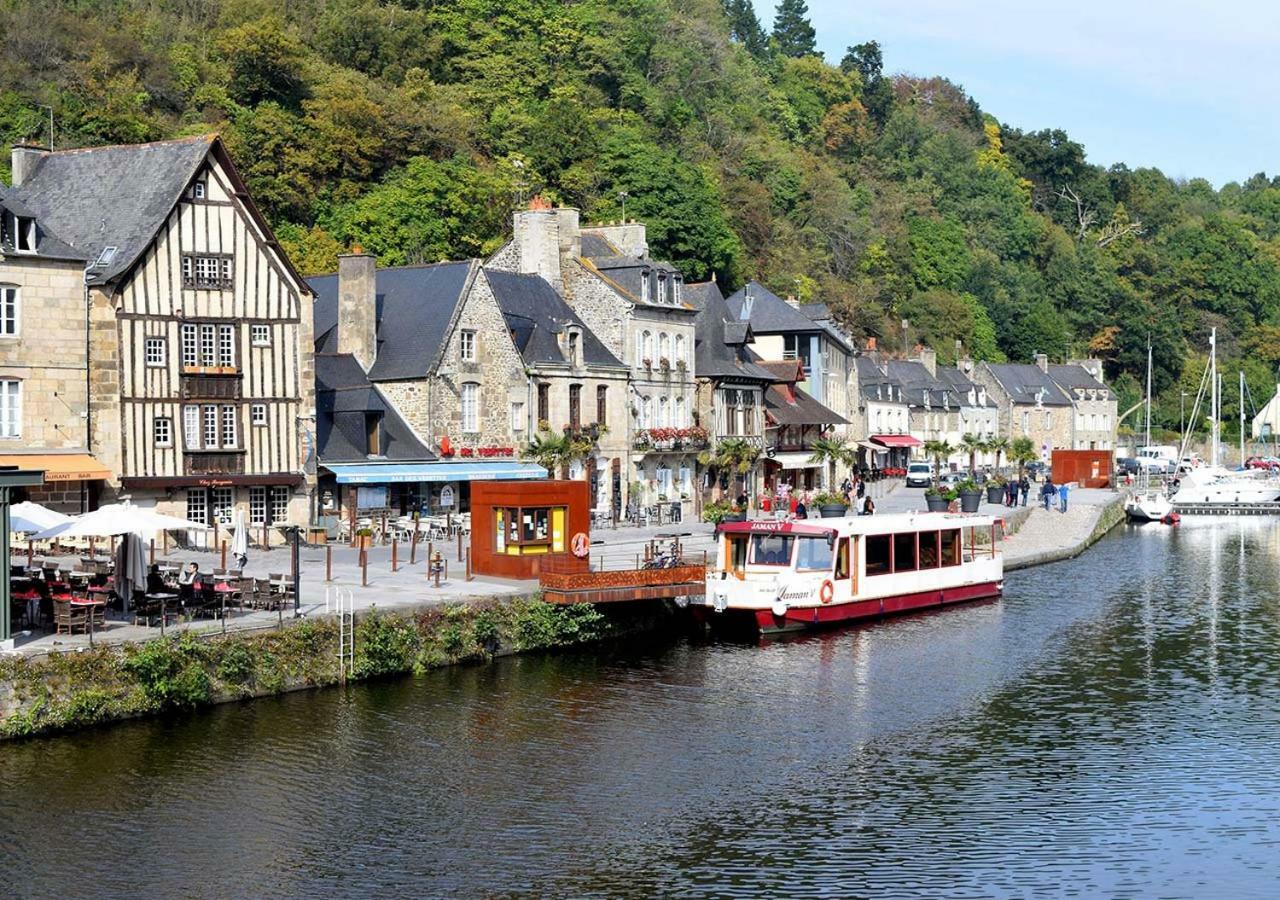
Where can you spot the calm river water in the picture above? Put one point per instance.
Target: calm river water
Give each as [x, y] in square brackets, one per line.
[1111, 727]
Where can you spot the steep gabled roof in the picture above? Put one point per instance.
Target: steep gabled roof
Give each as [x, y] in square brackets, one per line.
[1026, 383]
[1072, 376]
[415, 306]
[48, 245]
[536, 314]
[718, 354]
[767, 312]
[875, 383]
[788, 404]
[344, 396]
[962, 384]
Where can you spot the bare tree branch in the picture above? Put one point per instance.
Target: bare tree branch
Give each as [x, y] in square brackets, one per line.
[1115, 231]
[1086, 217]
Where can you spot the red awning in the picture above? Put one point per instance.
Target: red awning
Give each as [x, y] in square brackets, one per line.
[895, 440]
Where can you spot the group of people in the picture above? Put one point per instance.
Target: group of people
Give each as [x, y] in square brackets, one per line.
[1013, 490]
[1049, 492]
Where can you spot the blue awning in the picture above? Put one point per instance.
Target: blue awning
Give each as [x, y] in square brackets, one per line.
[409, 473]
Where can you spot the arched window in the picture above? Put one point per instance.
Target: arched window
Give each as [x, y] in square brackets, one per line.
[647, 341]
[664, 345]
[664, 412]
[646, 412]
[680, 357]
[681, 421]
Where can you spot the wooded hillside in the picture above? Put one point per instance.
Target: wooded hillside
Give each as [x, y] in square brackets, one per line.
[414, 127]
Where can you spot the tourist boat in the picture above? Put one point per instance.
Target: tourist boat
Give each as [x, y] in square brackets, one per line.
[786, 576]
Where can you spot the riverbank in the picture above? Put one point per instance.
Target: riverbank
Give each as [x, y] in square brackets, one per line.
[1046, 536]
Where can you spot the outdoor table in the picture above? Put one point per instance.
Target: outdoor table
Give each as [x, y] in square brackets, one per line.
[163, 600]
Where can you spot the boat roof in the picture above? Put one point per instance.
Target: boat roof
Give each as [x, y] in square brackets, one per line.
[846, 525]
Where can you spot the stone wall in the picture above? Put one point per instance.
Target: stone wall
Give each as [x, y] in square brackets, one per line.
[48, 354]
[106, 440]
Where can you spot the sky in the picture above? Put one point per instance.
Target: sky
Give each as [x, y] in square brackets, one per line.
[1188, 87]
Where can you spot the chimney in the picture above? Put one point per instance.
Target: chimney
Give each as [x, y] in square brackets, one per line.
[929, 359]
[871, 344]
[358, 306]
[1042, 362]
[23, 161]
[792, 301]
[537, 235]
[570, 232]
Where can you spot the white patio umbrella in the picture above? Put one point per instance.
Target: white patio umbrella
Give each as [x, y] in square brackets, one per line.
[31, 517]
[240, 538]
[119, 518]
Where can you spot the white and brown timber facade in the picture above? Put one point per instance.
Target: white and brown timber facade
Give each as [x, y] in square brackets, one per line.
[200, 332]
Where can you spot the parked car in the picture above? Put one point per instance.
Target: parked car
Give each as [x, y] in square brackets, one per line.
[1262, 462]
[919, 474]
[1127, 465]
[1036, 469]
[951, 479]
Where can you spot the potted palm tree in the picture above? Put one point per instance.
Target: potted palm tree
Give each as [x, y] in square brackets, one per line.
[1022, 451]
[999, 446]
[935, 497]
[970, 493]
[830, 504]
[973, 444]
[831, 451]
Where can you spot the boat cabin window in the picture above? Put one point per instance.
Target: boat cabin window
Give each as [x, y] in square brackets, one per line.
[737, 554]
[878, 554]
[904, 552]
[928, 549]
[771, 549]
[951, 547]
[815, 554]
[842, 559]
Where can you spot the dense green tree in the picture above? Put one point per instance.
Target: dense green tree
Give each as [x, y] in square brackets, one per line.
[264, 61]
[745, 27]
[877, 93]
[793, 33]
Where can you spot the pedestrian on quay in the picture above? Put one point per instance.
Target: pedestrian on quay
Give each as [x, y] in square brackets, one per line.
[1010, 494]
[1047, 493]
[868, 507]
[1062, 495]
[1024, 488]
[802, 511]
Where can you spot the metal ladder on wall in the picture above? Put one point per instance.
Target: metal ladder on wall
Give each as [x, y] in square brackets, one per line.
[343, 601]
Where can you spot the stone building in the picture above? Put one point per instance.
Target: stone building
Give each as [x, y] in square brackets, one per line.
[944, 405]
[793, 421]
[880, 413]
[1057, 406]
[201, 389]
[44, 363]
[731, 386]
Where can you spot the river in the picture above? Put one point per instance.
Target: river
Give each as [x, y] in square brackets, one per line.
[1109, 727]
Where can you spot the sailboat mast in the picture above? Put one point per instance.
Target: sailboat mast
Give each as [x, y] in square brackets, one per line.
[1214, 390]
[1148, 394]
[1242, 418]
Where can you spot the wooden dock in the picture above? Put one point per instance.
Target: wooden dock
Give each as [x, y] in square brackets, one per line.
[1227, 509]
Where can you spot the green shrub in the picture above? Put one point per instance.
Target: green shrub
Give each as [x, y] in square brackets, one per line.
[236, 665]
[384, 645]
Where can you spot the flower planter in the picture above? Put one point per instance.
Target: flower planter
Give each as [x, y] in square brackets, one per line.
[937, 504]
[995, 493]
[833, 510]
[735, 517]
[970, 501]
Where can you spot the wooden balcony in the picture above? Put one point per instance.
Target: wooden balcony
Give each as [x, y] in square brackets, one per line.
[211, 387]
[213, 462]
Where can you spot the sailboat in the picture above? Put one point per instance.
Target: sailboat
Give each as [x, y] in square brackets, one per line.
[1214, 484]
[1147, 503]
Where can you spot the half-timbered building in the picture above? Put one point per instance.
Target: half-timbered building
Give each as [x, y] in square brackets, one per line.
[201, 389]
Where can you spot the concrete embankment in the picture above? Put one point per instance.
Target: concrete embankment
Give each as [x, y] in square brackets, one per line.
[1047, 536]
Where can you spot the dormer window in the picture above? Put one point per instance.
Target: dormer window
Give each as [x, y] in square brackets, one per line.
[373, 433]
[575, 347]
[20, 231]
[677, 283]
[644, 285]
[662, 288]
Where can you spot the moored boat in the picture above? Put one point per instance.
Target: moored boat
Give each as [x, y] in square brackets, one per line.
[1148, 506]
[787, 576]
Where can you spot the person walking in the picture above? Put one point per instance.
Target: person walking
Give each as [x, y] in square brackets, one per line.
[1024, 488]
[1062, 496]
[1046, 493]
[868, 507]
[862, 487]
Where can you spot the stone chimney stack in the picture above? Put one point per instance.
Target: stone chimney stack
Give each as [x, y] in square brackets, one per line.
[792, 301]
[537, 236]
[570, 232]
[1042, 362]
[929, 359]
[358, 306]
[23, 161]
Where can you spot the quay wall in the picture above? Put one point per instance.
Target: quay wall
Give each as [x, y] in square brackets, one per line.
[1111, 514]
[69, 691]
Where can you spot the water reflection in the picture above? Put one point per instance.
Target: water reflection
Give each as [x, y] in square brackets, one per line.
[1106, 728]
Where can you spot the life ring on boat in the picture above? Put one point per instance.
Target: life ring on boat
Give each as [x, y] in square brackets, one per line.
[827, 591]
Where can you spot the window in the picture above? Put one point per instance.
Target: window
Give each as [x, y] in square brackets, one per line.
[814, 554]
[575, 406]
[162, 431]
[663, 297]
[517, 417]
[190, 348]
[677, 284]
[198, 190]
[210, 427]
[644, 286]
[471, 407]
[206, 272]
[527, 531]
[21, 231]
[226, 345]
[208, 345]
[467, 346]
[664, 412]
[223, 505]
[8, 311]
[544, 402]
[680, 350]
[878, 552]
[842, 560]
[198, 505]
[229, 427]
[664, 346]
[191, 427]
[280, 503]
[1026, 422]
[664, 483]
[372, 434]
[647, 343]
[680, 414]
[257, 506]
[951, 547]
[1048, 420]
[904, 552]
[258, 414]
[646, 412]
[771, 549]
[153, 351]
[260, 335]
[10, 408]
[602, 404]
[928, 549]
[575, 345]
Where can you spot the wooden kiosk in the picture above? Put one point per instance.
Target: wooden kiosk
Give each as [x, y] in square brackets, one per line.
[516, 526]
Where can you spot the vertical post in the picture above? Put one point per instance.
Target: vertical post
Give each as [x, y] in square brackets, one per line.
[31, 553]
[459, 545]
[328, 562]
[384, 528]
[430, 545]
[162, 615]
[469, 564]
[295, 532]
[364, 567]
[444, 565]
[5, 624]
[223, 598]
[266, 537]
[413, 544]
[394, 559]
[224, 554]
[91, 611]
[153, 551]
[164, 542]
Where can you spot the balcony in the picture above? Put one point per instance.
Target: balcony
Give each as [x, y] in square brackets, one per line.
[211, 387]
[675, 439]
[213, 462]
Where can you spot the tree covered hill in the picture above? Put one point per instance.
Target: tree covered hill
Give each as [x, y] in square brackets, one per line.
[413, 127]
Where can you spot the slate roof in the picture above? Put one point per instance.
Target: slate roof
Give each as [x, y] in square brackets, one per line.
[535, 313]
[815, 311]
[594, 245]
[875, 383]
[344, 395]
[713, 354]
[804, 409]
[1023, 381]
[770, 314]
[112, 196]
[626, 273]
[962, 383]
[48, 245]
[1072, 376]
[917, 383]
[415, 306]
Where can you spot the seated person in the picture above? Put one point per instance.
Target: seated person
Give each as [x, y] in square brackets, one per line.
[155, 581]
[187, 579]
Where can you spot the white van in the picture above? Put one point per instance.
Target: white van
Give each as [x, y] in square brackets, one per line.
[1160, 458]
[919, 474]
